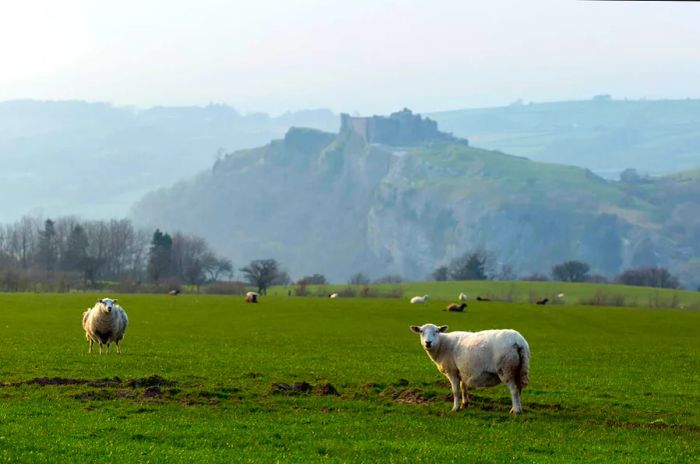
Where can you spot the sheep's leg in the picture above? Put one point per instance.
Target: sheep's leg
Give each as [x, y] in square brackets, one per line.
[456, 394]
[515, 397]
[465, 394]
[90, 346]
[100, 347]
[119, 350]
[107, 348]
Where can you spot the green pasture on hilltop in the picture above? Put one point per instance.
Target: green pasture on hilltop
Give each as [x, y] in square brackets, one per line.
[521, 292]
[308, 379]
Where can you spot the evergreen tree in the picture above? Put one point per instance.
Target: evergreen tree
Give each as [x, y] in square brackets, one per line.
[47, 254]
[159, 257]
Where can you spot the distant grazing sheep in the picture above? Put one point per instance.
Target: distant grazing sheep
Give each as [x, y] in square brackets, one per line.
[333, 295]
[251, 297]
[560, 296]
[105, 323]
[174, 292]
[543, 301]
[419, 299]
[462, 297]
[478, 298]
[454, 308]
[478, 359]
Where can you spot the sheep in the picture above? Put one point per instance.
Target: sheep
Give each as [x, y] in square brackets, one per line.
[174, 292]
[479, 298]
[478, 359]
[462, 297]
[419, 299]
[105, 323]
[543, 301]
[454, 308]
[251, 297]
[333, 295]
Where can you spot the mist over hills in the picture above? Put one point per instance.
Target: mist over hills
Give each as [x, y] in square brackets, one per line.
[607, 136]
[370, 200]
[96, 160]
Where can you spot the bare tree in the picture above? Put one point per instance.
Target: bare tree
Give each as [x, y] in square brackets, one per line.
[571, 271]
[472, 265]
[658, 277]
[314, 279]
[261, 273]
[215, 268]
[359, 279]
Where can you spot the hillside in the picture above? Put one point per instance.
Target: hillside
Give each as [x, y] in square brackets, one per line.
[95, 159]
[338, 204]
[604, 135]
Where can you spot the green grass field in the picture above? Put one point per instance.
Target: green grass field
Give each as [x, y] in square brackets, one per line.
[526, 292]
[199, 381]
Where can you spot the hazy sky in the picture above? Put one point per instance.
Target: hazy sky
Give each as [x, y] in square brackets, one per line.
[368, 56]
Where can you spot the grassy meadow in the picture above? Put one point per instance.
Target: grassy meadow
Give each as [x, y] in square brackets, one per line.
[292, 379]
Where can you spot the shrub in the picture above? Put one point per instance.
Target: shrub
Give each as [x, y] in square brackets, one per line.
[604, 299]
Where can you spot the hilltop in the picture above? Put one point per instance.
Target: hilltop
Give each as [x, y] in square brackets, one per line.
[342, 203]
[56, 154]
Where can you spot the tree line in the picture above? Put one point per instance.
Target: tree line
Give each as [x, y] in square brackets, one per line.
[71, 252]
[480, 265]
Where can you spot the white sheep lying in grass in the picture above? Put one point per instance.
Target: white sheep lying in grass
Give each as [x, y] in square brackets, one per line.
[478, 359]
[333, 295]
[105, 323]
[419, 299]
[462, 297]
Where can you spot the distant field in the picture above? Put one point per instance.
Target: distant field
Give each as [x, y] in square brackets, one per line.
[526, 292]
[197, 383]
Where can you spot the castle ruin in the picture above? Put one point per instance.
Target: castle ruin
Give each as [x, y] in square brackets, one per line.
[402, 128]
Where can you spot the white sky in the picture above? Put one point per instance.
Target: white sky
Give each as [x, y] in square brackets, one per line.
[356, 55]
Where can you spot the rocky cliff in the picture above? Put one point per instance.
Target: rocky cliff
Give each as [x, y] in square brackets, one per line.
[345, 203]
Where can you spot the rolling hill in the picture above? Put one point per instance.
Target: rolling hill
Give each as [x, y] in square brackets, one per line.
[358, 201]
[607, 136]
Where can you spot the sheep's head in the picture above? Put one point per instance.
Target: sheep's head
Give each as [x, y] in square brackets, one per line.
[429, 334]
[107, 304]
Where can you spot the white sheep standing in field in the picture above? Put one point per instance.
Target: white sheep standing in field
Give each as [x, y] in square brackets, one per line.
[105, 323]
[333, 295]
[462, 297]
[419, 299]
[478, 359]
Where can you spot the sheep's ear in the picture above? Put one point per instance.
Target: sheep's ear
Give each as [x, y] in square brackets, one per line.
[99, 300]
[114, 301]
[442, 329]
[415, 329]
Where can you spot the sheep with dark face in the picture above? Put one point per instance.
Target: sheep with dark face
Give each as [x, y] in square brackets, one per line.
[478, 359]
[105, 323]
[454, 308]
